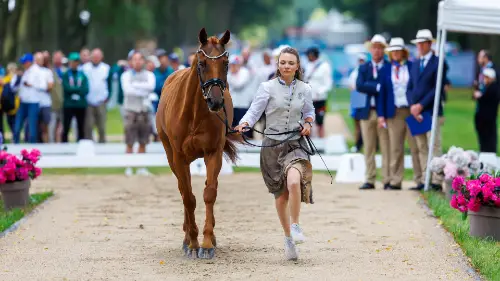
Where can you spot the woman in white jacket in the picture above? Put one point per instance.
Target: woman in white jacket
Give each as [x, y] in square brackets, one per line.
[239, 81]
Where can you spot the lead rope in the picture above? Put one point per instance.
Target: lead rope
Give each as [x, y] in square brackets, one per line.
[292, 133]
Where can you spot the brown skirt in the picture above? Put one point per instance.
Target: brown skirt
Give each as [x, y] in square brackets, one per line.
[275, 162]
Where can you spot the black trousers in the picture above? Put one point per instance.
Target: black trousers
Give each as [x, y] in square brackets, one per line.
[486, 129]
[68, 114]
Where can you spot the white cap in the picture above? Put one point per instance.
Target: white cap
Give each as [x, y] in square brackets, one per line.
[155, 60]
[235, 59]
[377, 38]
[423, 35]
[397, 43]
[490, 72]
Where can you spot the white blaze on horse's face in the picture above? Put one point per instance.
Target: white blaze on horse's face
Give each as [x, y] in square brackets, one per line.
[212, 69]
[213, 73]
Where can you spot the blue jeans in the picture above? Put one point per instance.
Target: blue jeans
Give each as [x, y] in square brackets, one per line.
[30, 111]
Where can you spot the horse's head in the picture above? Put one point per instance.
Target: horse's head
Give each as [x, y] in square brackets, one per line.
[212, 60]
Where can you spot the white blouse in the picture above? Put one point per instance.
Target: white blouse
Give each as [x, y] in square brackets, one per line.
[261, 99]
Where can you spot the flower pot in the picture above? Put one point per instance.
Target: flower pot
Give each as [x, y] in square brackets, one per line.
[448, 189]
[15, 194]
[485, 222]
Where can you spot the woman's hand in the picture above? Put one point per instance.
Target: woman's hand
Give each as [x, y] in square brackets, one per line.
[241, 128]
[306, 130]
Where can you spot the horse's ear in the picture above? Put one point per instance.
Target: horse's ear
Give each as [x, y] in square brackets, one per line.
[225, 38]
[202, 36]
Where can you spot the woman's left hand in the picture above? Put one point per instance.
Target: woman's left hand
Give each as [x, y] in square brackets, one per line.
[306, 130]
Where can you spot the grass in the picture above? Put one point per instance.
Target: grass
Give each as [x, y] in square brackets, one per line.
[9, 218]
[459, 112]
[484, 254]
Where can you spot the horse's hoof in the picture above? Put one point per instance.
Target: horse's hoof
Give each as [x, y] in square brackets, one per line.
[206, 253]
[192, 253]
[185, 248]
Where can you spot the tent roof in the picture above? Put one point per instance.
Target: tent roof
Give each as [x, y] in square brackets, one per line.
[470, 16]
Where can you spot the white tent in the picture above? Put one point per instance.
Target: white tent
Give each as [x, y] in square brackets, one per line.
[467, 16]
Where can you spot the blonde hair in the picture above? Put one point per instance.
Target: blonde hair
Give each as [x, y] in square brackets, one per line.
[405, 56]
[11, 67]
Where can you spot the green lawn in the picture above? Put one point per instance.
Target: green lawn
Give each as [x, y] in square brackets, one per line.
[484, 254]
[9, 218]
[459, 111]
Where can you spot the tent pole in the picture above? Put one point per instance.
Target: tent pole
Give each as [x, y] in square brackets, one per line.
[438, 41]
[437, 97]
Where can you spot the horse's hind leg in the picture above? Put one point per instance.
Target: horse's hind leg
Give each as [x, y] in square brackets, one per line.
[190, 244]
[213, 163]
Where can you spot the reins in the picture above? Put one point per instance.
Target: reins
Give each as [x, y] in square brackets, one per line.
[312, 151]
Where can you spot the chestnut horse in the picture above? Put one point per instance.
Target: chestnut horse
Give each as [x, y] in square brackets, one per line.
[192, 122]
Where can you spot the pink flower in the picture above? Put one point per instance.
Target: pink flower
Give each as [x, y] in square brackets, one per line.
[497, 201]
[474, 187]
[2, 178]
[462, 209]
[22, 174]
[38, 171]
[497, 182]
[461, 200]
[487, 190]
[485, 178]
[457, 183]
[454, 202]
[474, 205]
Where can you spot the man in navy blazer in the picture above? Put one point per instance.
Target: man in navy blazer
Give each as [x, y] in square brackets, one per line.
[421, 92]
[369, 82]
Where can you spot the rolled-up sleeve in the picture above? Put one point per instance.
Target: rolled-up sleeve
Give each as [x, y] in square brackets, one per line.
[257, 107]
[308, 108]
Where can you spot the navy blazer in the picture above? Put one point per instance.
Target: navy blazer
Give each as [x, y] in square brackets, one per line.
[367, 84]
[422, 85]
[386, 100]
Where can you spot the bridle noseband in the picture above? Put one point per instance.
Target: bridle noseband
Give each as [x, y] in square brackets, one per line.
[211, 82]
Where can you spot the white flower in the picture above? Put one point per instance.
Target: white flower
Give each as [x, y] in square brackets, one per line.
[437, 164]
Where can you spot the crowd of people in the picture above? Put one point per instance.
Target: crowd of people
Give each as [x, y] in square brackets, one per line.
[397, 95]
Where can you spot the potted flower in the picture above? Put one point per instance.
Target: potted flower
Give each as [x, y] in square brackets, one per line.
[16, 175]
[479, 197]
[457, 162]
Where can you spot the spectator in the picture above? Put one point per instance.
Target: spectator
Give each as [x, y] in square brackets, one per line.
[318, 73]
[97, 73]
[84, 56]
[137, 84]
[115, 85]
[161, 74]
[56, 95]
[369, 82]
[76, 88]
[239, 79]
[10, 99]
[175, 63]
[487, 111]
[33, 83]
[352, 86]
[421, 91]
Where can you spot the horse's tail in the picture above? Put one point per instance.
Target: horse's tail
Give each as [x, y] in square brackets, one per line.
[230, 149]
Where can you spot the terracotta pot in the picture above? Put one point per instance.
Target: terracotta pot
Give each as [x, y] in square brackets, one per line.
[15, 194]
[485, 223]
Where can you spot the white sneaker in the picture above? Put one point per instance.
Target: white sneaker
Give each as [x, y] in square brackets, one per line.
[290, 249]
[129, 172]
[297, 235]
[143, 172]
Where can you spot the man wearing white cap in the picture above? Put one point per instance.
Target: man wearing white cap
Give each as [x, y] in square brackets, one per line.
[421, 92]
[369, 82]
[487, 111]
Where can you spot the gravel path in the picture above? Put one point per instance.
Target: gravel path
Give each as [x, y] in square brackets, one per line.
[118, 228]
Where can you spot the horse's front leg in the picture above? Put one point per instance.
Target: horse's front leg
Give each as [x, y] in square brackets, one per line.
[213, 163]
